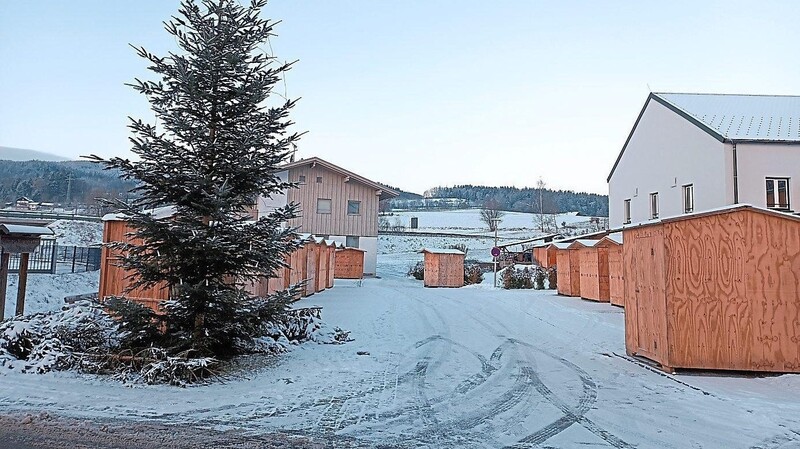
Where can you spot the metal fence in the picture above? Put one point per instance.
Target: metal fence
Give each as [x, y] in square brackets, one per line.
[43, 260]
[78, 258]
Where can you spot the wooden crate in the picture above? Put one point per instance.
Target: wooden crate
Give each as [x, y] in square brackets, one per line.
[616, 278]
[349, 263]
[593, 274]
[568, 269]
[443, 267]
[715, 290]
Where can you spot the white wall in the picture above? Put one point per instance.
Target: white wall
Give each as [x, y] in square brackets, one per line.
[267, 205]
[664, 153]
[756, 162]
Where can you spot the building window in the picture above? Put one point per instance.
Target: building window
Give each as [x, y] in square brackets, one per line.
[688, 198]
[654, 205]
[778, 193]
[626, 211]
[353, 207]
[351, 241]
[301, 179]
[319, 179]
[323, 206]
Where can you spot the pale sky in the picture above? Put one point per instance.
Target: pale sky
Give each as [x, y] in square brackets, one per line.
[416, 93]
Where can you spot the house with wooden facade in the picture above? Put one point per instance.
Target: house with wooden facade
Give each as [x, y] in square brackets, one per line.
[696, 152]
[335, 203]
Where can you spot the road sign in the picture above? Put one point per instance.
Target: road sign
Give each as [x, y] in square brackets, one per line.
[495, 252]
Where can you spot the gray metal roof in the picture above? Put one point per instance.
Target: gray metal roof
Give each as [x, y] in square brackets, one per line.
[15, 229]
[772, 118]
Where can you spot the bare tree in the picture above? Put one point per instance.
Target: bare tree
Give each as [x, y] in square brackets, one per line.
[491, 214]
[544, 217]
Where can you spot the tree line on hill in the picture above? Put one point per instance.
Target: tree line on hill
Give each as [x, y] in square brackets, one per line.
[69, 182]
[527, 199]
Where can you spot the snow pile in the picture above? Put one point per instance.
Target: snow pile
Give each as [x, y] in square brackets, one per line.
[46, 292]
[77, 233]
[49, 341]
[85, 338]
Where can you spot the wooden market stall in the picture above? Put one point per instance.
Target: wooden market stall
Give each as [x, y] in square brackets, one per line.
[593, 270]
[568, 269]
[545, 255]
[616, 278]
[443, 267]
[349, 263]
[715, 290]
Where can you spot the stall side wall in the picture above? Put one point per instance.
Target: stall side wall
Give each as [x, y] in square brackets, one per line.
[616, 279]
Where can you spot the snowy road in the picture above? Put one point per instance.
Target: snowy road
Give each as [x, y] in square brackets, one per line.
[453, 368]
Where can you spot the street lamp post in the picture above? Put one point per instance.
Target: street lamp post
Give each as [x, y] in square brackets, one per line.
[495, 223]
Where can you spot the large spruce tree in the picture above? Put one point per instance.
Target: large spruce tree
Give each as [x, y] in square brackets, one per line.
[219, 139]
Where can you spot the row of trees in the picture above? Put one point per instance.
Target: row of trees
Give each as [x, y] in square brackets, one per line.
[537, 199]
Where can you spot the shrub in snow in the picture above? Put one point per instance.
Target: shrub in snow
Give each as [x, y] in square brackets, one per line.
[539, 275]
[473, 274]
[516, 278]
[552, 278]
[417, 271]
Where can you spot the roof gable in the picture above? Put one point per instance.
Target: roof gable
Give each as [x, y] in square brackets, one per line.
[731, 118]
[385, 192]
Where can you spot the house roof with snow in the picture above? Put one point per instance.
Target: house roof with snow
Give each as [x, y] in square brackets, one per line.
[442, 251]
[385, 192]
[733, 118]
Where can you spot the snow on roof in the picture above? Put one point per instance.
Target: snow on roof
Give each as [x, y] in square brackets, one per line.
[742, 117]
[8, 229]
[587, 242]
[158, 213]
[615, 237]
[562, 245]
[441, 251]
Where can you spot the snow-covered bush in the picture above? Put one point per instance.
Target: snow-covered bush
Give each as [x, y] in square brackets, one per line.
[552, 278]
[417, 271]
[473, 274]
[539, 275]
[516, 278]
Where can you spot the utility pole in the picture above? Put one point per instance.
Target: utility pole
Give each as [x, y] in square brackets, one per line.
[69, 187]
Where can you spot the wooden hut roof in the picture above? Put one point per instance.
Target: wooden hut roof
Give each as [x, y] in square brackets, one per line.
[441, 251]
[610, 240]
[383, 191]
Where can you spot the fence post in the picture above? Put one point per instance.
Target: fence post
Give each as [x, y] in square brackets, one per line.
[54, 258]
[73, 259]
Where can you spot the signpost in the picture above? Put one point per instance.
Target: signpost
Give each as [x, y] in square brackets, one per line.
[495, 249]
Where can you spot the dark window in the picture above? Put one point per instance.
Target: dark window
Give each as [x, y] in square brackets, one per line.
[353, 207]
[688, 198]
[654, 205]
[302, 179]
[626, 211]
[778, 193]
[323, 206]
[351, 241]
[319, 179]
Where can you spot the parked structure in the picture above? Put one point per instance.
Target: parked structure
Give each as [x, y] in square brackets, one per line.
[443, 267]
[593, 268]
[568, 268]
[337, 204]
[349, 263]
[616, 277]
[545, 255]
[695, 152]
[715, 290]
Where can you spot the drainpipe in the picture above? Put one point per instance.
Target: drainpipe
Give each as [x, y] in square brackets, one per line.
[735, 176]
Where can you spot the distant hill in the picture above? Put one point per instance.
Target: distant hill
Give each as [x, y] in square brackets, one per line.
[50, 181]
[526, 199]
[21, 154]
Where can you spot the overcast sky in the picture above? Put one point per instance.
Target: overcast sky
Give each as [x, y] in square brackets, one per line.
[415, 93]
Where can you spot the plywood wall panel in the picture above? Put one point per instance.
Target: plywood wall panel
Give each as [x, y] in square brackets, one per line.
[349, 264]
[616, 277]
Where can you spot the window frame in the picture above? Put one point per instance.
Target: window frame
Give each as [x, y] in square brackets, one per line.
[358, 207]
[347, 239]
[319, 179]
[301, 179]
[775, 180]
[330, 206]
[688, 194]
[654, 205]
[626, 211]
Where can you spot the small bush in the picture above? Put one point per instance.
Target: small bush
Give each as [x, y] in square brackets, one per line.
[514, 278]
[472, 274]
[552, 278]
[539, 275]
[417, 271]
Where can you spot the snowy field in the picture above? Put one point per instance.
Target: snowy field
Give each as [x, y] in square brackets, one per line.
[77, 233]
[448, 368]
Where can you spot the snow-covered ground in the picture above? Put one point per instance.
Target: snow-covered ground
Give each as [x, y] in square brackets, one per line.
[77, 233]
[46, 292]
[452, 368]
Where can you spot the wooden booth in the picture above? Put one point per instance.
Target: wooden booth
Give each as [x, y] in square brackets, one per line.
[616, 278]
[349, 263]
[593, 270]
[22, 239]
[568, 266]
[715, 290]
[545, 255]
[443, 267]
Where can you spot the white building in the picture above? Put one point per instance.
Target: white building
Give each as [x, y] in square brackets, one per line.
[335, 203]
[694, 152]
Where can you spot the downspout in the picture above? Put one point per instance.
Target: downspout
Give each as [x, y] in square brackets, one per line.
[735, 175]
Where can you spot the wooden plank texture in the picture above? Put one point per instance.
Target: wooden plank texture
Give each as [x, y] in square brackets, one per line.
[349, 264]
[616, 278]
